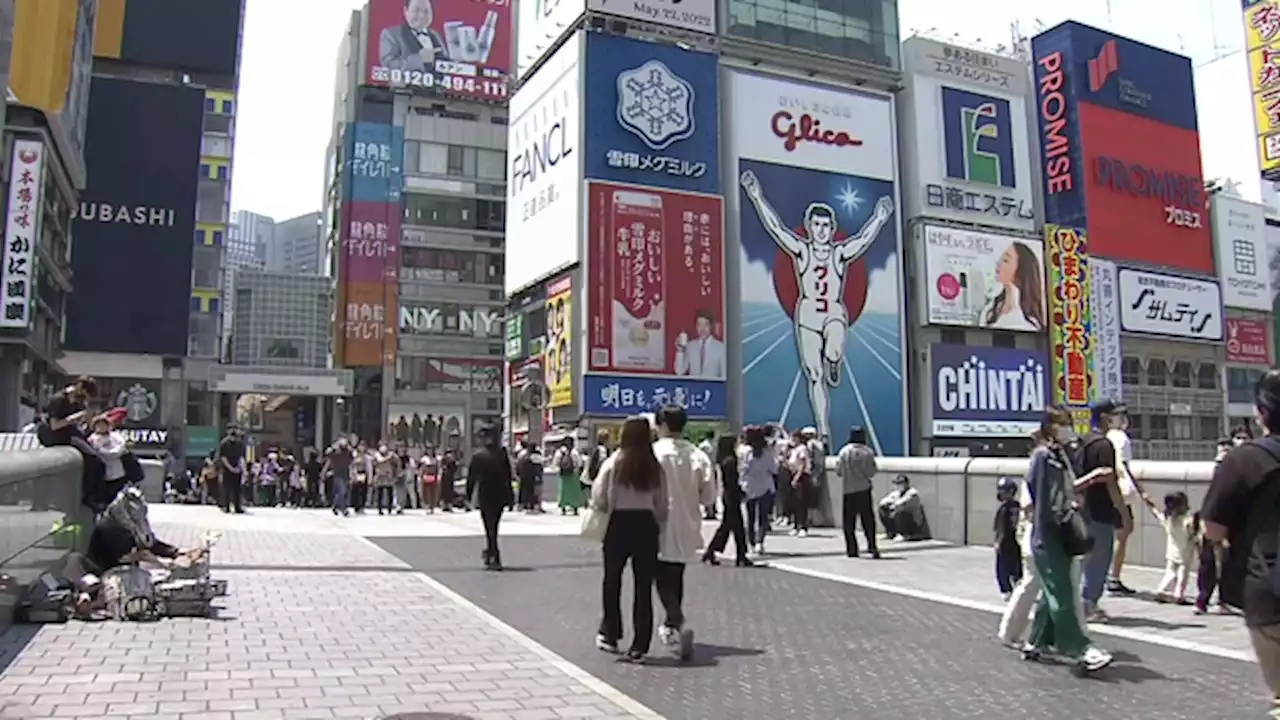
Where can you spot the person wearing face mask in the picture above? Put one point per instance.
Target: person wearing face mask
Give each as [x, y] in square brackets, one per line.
[1056, 540]
[1104, 507]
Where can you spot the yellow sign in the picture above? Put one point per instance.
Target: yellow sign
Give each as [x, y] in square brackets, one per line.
[557, 356]
[1262, 41]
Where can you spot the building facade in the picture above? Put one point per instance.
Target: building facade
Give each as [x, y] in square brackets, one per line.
[280, 319]
[295, 246]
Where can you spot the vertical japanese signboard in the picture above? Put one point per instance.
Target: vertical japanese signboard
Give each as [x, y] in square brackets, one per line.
[557, 363]
[1071, 322]
[22, 230]
[1104, 297]
[1262, 42]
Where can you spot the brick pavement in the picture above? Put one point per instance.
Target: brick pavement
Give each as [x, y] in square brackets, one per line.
[335, 629]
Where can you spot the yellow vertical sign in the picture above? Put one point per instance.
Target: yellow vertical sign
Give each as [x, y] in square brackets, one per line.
[557, 356]
[1262, 42]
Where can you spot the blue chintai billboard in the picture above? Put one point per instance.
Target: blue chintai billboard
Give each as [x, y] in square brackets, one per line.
[987, 391]
[134, 230]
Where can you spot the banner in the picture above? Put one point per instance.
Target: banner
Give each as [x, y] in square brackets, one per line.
[987, 391]
[1071, 322]
[695, 15]
[557, 364]
[369, 331]
[1247, 342]
[656, 303]
[1239, 236]
[1104, 298]
[451, 47]
[653, 115]
[983, 280]
[374, 162]
[371, 242]
[1262, 43]
[1169, 305]
[814, 175]
[615, 396]
[24, 218]
[539, 25]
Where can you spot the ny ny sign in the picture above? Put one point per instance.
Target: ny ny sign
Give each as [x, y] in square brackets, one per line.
[476, 322]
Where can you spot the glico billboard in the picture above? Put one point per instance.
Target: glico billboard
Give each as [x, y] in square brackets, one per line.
[1120, 147]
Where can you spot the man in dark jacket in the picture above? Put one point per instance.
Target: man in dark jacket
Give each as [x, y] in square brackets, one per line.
[489, 479]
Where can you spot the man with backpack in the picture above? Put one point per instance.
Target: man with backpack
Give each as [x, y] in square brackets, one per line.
[1104, 507]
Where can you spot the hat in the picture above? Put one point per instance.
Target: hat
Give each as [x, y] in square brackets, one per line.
[1106, 407]
[1006, 483]
[115, 416]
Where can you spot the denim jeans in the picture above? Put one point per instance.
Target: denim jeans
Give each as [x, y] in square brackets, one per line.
[1097, 564]
[341, 485]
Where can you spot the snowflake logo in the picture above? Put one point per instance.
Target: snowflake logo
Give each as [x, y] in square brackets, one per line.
[655, 104]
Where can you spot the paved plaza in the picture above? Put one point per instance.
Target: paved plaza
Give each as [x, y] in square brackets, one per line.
[369, 617]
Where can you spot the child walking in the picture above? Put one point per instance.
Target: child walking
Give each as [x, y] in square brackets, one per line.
[1181, 532]
[1008, 549]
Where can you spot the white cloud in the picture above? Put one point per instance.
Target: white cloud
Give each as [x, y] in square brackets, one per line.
[882, 288]
[757, 281]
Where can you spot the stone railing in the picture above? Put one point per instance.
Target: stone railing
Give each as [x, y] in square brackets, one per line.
[41, 518]
[959, 495]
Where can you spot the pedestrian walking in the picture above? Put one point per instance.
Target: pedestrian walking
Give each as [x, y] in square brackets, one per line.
[856, 465]
[489, 478]
[732, 497]
[1008, 549]
[231, 457]
[758, 468]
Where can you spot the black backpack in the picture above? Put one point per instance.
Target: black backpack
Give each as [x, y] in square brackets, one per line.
[1076, 451]
[1262, 526]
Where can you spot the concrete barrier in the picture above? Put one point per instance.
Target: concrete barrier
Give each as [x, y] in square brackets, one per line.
[41, 518]
[959, 495]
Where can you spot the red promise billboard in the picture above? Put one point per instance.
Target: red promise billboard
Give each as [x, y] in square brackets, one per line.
[454, 47]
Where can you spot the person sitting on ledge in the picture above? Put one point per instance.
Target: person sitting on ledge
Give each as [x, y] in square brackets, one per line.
[902, 513]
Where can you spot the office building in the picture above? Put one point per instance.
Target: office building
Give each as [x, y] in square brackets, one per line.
[255, 232]
[281, 319]
[295, 246]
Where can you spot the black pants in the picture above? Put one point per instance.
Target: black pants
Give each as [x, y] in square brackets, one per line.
[801, 497]
[670, 583]
[491, 515]
[782, 498]
[386, 498]
[1008, 567]
[359, 496]
[232, 487]
[632, 535]
[1207, 574]
[758, 517]
[731, 523]
[858, 506]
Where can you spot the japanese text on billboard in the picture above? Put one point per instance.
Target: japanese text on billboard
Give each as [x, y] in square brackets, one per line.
[1072, 325]
[456, 47]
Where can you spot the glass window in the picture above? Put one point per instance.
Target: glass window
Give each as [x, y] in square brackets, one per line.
[1157, 427]
[952, 336]
[1207, 376]
[1180, 427]
[210, 105]
[1210, 427]
[1240, 383]
[215, 306]
[433, 158]
[205, 171]
[222, 172]
[195, 304]
[491, 165]
[1136, 425]
[1131, 370]
[228, 107]
[283, 349]
[199, 237]
[859, 29]
[1004, 340]
[443, 210]
[455, 161]
[1180, 376]
[1157, 372]
[217, 237]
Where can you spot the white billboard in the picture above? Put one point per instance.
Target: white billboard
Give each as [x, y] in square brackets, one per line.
[539, 23]
[1107, 354]
[983, 280]
[1239, 238]
[23, 221]
[1170, 305]
[695, 15]
[544, 169]
[966, 137]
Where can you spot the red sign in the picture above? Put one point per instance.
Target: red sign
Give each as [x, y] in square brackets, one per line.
[1247, 342]
[656, 299]
[455, 47]
[370, 242]
[1144, 192]
[808, 129]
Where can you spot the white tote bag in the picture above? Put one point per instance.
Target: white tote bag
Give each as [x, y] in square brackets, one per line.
[595, 523]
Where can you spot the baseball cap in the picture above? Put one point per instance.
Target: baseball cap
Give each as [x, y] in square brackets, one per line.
[1106, 407]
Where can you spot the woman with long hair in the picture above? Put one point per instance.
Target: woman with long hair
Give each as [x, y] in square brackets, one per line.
[757, 469]
[1020, 303]
[1058, 536]
[631, 489]
[732, 496]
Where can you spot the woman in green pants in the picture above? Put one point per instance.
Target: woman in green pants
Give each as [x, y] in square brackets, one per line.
[1052, 485]
[568, 463]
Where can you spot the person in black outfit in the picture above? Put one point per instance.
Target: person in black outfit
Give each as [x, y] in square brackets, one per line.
[448, 476]
[1005, 527]
[63, 426]
[489, 479]
[732, 496]
[231, 458]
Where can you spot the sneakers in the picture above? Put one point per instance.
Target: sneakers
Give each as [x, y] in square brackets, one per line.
[1115, 587]
[1094, 660]
[679, 640]
[603, 644]
[1096, 615]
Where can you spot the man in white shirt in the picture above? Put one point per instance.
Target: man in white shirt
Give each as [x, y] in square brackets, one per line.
[703, 356]
[690, 485]
[1118, 434]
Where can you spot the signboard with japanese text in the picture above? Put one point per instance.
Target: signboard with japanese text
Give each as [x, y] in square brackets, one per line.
[557, 358]
[1170, 305]
[460, 48]
[374, 162]
[812, 187]
[1104, 297]
[539, 24]
[544, 177]
[1262, 43]
[368, 334]
[695, 15]
[651, 114]
[1248, 342]
[23, 219]
[371, 242]
[1120, 147]
[620, 396]
[514, 349]
[969, 152]
[1241, 243]
[987, 391]
[1070, 321]
[983, 280]
[656, 302]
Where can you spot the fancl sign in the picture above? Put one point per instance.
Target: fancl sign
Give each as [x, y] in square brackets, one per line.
[985, 391]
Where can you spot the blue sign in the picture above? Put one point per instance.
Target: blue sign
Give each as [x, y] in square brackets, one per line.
[978, 132]
[1122, 74]
[619, 396]
[374, 163]
[1058, 115]
[987, 391]
[651, 114]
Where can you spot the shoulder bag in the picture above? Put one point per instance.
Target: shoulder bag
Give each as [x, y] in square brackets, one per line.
[595, 524]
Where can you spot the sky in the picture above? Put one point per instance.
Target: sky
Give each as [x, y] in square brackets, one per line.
[285, 107]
